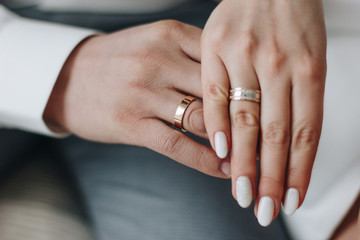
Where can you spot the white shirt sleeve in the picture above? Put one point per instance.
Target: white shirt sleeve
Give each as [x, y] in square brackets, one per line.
[32, 54]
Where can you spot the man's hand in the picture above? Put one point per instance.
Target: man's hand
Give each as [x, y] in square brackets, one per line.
[125, 88]
[278, 47]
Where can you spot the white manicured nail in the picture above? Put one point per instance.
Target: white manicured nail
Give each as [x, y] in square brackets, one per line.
[291, 202]
[243, 191]
[221, 146]
[265, 211]
[225, 168]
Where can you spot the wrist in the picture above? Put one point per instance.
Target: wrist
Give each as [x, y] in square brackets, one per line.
[54, 113]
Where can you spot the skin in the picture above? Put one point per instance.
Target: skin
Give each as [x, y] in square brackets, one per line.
[350, 226]
[277, 46]
[125, 87]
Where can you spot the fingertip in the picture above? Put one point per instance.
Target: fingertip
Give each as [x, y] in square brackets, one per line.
[221, 144]
[291, 202]
[244, 194]
[226, 168]
[265, 211]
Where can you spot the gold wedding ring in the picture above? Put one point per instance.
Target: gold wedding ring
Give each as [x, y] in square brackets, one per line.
[180, 111]
[240, 94]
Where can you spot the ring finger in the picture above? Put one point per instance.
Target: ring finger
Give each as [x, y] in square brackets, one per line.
[244, 116]
[165, 108]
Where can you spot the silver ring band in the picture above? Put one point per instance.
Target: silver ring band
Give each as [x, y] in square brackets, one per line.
[240, 94]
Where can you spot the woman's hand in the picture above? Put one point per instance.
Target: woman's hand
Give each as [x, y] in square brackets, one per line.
[278, 47]
[125, 88]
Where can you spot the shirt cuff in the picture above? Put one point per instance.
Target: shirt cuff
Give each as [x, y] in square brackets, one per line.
[32, 55]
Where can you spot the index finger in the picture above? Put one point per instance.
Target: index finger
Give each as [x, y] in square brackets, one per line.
[179, 147]
[215, 85]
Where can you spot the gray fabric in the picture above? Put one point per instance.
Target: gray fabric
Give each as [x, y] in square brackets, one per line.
[133, 193]
[14, 147]
[195, 13]
[37, 199]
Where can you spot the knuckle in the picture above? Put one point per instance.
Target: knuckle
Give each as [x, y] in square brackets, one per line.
[298, 174]
[199, 160]
[145, 66]
[305, 137]
[170, 142]
[246, 45]
[166, 29]
[141, 60]
[312, 68]
[142, 76]
[217, 93]
[275, 62]
[206, 163]
[275, 133]
[272, 181]
[129, 115]
[216, 37]
[242, 119]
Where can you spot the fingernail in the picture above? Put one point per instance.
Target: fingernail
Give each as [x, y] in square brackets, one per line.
[221, 146]
[225, 168]
[243, 191]
[291, 202]
[265, 211]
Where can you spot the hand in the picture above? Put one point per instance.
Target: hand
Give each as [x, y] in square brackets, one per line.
[125, 88]
[279, 47]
